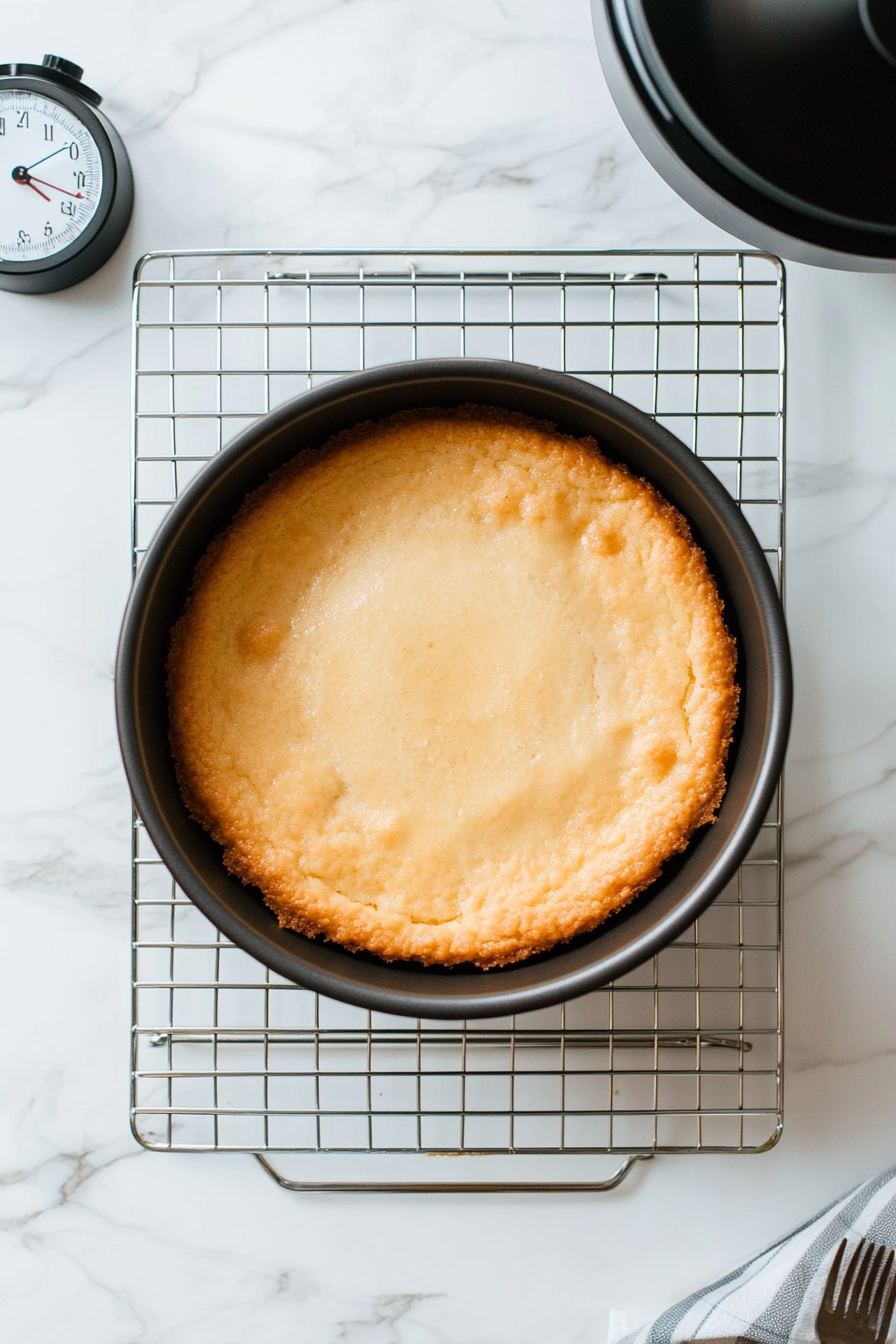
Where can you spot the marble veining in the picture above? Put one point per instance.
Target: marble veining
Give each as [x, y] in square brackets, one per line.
[392, 123]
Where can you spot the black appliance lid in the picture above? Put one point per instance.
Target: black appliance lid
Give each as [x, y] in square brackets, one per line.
[796, 98]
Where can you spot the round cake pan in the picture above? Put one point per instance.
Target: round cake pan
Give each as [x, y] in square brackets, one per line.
[689, 882]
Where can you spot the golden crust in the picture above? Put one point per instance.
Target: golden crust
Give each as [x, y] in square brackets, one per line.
[452, 688]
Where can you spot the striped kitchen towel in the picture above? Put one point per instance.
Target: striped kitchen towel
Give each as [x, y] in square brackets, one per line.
[774, 1298]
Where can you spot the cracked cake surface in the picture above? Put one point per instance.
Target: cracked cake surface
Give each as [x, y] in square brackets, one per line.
[452, 688]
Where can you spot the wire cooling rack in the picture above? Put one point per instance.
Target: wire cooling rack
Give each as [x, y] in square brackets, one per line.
[683, 1054]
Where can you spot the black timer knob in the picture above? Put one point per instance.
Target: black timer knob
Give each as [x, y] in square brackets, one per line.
[63, 66]
[56, 69]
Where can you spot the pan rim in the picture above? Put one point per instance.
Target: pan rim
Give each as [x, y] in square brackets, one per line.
[394, 987]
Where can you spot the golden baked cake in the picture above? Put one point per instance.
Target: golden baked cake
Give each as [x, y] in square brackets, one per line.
[452, 688]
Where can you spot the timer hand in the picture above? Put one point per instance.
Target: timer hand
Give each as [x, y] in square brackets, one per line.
[78, 195]
[24, 179]
[47, 156]
[20, 175]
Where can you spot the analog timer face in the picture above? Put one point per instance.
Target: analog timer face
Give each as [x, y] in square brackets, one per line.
[51, 177]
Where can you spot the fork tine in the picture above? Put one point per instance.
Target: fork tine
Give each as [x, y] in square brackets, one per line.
[827, 1303]
[852, 1310]
[875, 1306]
[848, 1278]
[887, 1309]
[864, 1302]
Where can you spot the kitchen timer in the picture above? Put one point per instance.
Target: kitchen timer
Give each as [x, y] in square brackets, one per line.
[66, 187]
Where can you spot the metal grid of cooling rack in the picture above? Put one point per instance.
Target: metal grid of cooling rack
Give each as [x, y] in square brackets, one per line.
[683, 1054]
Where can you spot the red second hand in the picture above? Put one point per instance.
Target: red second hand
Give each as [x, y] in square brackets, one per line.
[78, 195]
[23, 183]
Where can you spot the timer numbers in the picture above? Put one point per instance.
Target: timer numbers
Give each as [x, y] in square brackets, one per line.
[51, 176]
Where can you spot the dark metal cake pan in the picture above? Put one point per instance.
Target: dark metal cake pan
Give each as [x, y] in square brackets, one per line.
[689, 883]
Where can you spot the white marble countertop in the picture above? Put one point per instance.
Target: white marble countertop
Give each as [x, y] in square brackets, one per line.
[384, 123]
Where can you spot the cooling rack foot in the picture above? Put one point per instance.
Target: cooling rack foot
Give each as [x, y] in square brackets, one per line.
[454, 1187]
